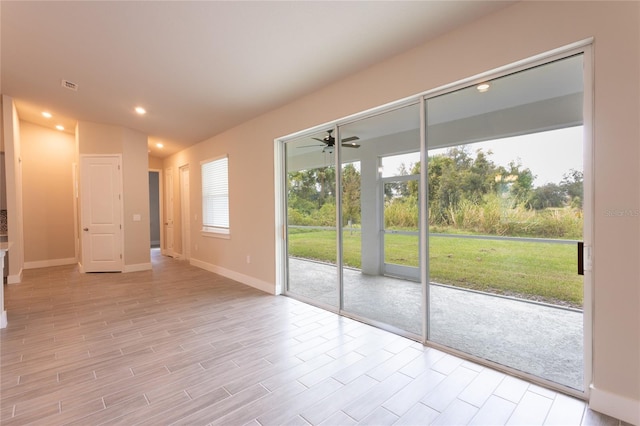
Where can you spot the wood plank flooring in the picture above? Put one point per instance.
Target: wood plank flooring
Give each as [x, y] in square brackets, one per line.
[180, 345]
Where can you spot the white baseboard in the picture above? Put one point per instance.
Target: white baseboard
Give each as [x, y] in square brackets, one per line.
[137, 267]
[15, 278]
[236, 276]
[613, 405]
[3, 319]
[51, 262]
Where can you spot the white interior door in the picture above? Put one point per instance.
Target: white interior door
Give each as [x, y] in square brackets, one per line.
[101, 206]
[185, 212]
[168, 224]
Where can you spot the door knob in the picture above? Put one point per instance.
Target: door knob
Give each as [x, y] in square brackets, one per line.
[85, 229]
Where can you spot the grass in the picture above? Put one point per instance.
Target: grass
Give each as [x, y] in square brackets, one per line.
[537, 271]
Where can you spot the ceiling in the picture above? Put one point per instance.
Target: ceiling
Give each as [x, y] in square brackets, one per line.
[199, 68]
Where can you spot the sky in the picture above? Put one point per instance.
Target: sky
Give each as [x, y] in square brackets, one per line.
[549, 155]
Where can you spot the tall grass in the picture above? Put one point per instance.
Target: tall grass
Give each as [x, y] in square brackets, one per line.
[491, 217]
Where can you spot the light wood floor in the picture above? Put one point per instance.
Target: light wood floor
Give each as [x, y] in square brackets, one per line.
[185, 346]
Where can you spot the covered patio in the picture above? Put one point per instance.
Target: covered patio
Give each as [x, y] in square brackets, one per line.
[539, 339]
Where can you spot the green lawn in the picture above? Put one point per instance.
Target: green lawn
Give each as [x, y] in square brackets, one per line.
[538, 271]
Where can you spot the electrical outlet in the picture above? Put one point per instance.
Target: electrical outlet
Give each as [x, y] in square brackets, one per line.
[248, 258]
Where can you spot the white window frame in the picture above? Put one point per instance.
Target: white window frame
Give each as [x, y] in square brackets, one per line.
[213, 229]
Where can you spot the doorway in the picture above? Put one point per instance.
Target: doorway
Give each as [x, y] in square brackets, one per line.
[155, 208]
[495, 246]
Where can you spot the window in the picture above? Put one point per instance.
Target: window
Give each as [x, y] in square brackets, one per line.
[215, 195]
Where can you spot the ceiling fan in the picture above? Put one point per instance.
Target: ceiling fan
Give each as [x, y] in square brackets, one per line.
[329, 142]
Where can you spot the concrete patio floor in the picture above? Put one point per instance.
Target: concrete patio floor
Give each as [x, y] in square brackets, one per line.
[542, 340]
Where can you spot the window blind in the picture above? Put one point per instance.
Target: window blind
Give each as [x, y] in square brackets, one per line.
[215, 193]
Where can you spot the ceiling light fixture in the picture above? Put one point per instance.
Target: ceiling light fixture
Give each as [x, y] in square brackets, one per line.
[141, 110]
[159, 145]
[483, 87]
[46, 114]
[60, 127]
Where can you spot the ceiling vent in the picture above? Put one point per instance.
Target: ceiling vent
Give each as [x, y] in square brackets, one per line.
[70, 85]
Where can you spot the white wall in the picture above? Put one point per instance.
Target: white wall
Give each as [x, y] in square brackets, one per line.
[512, 34]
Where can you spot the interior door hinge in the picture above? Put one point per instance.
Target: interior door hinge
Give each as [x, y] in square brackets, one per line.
[120, 226]
[120, 256]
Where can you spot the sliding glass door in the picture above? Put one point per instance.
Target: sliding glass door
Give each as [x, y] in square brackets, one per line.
[454, 219]
[505, 177]
[311, 219]
[380, 219]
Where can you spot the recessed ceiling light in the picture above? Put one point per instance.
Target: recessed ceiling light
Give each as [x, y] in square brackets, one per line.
[60, 127]
[46, 114]
[159, 145]
[141, 110]
[483, 87]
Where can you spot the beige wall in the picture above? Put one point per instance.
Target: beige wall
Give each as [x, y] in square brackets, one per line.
[155, 163]
[135, 174]
[13, 170]
[95, 138]
[47, 161]
[510, 35]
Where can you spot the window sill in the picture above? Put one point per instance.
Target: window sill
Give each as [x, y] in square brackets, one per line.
[216, 233]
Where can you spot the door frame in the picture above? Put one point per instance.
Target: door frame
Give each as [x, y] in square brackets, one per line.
[584, 47]
[160, 204]
[170, 213]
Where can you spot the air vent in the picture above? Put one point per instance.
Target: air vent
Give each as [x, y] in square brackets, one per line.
[70, 85]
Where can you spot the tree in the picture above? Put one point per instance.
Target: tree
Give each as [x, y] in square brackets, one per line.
[350, 194]
[522, 179]
[546, 196]
[572, 184]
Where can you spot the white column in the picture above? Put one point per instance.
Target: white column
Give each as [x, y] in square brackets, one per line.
[370, 216]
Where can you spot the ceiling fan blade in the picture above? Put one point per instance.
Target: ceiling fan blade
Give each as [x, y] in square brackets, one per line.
[350, 145]
[309, 146]
[319, 140]
[352, 138]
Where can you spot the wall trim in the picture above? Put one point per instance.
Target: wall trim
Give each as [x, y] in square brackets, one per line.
[236, 276]
[614, 405]
[15, 278]
[137, 267]
[51, 262]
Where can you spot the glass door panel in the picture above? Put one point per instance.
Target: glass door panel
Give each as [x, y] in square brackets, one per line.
[505, 197]
[311, 219]
[368, 292]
